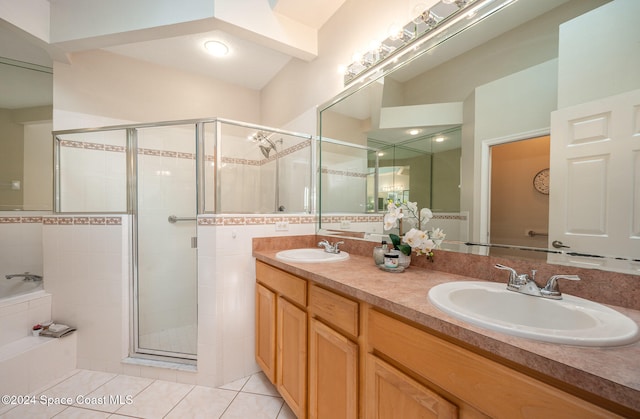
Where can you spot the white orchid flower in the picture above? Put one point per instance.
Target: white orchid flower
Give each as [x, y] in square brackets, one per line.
[389, 222]
[425, 214]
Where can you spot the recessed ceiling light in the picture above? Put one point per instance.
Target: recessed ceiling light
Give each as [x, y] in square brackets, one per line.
[414, 131]
[380, 154]
[438, 139]
[216, 48]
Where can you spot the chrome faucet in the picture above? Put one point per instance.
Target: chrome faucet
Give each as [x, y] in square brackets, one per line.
[330, 247]
[25, 276]
[524, 284]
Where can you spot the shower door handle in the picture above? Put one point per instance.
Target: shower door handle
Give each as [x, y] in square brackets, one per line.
[174, 219]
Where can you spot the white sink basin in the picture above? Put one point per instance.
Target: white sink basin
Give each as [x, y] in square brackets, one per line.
[572, 320]
[310, 256]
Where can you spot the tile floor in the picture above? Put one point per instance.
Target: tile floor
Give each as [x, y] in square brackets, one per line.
[92, 394]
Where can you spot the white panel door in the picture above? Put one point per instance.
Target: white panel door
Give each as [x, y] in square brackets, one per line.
[594, 204]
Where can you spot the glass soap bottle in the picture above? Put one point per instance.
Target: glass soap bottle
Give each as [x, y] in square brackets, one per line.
[378, 253]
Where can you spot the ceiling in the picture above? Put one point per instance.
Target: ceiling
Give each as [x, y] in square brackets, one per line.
[249, 64]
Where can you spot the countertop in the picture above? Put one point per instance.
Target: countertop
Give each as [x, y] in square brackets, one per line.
[612, 373]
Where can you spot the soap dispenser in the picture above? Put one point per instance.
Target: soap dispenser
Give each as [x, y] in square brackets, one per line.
[379, 251]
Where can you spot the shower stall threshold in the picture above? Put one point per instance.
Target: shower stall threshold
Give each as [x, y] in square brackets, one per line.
[179, 364]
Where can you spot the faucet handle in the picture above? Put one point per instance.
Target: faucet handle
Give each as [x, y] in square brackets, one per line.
[336, 247]
[551, 290]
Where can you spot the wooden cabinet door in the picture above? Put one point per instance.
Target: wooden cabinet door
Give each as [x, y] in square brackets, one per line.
[333, 374]
[391, 394]
[292, 356]
[266, 331]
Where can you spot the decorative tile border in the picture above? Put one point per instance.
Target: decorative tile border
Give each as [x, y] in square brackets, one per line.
[344, 173]
[181, 155]
[456, 217]
[215, 220]
[63, 220]
[254, 219]
[81, 220]
[360, 218]
[21, 220]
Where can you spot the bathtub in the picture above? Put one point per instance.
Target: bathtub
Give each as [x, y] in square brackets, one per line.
[29, 362]
[14, 287]
[19, 313]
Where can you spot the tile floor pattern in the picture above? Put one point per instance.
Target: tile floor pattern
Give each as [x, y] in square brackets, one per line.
[104, 395]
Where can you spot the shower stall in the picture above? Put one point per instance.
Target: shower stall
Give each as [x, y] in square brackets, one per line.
[163, 176]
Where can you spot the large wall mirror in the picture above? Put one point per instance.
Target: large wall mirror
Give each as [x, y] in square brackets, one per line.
[525, 128]
[26, 145]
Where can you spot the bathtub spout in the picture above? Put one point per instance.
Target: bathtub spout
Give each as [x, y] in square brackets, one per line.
[25, 276]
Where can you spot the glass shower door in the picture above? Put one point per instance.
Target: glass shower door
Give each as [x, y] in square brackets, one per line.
[165, 306]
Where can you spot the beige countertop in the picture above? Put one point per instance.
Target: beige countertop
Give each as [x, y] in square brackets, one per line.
[612, 373]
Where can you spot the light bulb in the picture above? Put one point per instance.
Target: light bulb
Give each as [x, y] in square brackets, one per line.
[216, 48]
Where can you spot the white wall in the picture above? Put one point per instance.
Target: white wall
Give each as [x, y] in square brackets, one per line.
[599, 53]
[112, 86]
[302, 86]
[38, 165]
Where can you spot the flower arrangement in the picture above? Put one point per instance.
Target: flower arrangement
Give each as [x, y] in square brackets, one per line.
[422, 242]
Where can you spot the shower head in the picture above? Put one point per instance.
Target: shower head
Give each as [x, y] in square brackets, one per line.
[266, 145]
[264, 142]
[265, 150]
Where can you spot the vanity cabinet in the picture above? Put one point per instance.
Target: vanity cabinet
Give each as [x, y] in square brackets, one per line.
[481, 385]
[392, 394]
[266, 331]
[333, 355]
[281, 333]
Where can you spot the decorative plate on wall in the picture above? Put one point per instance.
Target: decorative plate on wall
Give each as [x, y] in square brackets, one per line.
[541, 181]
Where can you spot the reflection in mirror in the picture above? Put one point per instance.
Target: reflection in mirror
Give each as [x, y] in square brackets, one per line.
[26, 147]
[425, 170]
[501, 81]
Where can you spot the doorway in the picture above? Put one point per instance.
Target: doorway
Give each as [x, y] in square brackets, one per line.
[519, 199]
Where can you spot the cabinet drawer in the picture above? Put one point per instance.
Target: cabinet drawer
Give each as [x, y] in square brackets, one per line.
[290, 286]
[335, 309]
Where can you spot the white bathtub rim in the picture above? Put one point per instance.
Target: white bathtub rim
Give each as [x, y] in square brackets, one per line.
[21, 298]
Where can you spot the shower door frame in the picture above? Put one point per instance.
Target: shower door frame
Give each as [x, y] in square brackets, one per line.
[136, 351]
[201, 205]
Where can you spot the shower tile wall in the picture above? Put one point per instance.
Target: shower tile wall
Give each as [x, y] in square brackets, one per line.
[226, 272]
[86, 269]
[344, 179]
[248, 178]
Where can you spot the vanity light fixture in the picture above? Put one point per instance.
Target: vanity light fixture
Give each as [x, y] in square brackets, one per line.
[428, 24]
[216, 48]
